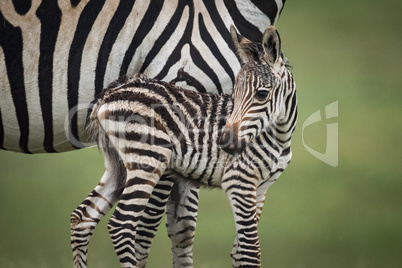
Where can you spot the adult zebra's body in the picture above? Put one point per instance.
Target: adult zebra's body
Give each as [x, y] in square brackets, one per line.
[55, 57]
[154, 132]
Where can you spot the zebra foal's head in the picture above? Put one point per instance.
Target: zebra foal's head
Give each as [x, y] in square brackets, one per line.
[260, 90]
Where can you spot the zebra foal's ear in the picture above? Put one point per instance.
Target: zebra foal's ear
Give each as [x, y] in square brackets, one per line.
[245, 48]
[271, 43]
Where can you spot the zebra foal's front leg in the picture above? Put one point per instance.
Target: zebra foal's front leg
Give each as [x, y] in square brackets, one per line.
[242, 197]
[261, 193]
[86, 216]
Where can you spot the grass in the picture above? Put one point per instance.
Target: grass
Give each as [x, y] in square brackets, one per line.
[315, 215]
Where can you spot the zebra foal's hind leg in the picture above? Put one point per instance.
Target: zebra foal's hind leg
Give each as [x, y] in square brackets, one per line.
[151, 218]
[144, 167]
[86, 216]
[181, 199]
[181, 219]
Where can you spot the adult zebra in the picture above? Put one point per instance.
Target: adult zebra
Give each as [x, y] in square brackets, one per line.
[56, 56]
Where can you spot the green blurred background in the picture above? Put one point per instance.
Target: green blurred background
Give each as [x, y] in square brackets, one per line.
[315, 215]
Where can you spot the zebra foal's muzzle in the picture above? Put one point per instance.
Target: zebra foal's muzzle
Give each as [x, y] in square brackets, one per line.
[230, 142]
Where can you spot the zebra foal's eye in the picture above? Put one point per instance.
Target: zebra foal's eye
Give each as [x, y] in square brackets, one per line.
[262, 94]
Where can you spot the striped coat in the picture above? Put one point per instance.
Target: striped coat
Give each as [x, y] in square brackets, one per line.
[154, 132]
[56, 56]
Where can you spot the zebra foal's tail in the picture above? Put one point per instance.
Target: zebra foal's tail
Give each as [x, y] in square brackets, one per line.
[97, 134]
[93, 127]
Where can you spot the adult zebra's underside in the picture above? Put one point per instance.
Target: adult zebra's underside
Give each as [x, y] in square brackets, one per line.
[56, 56]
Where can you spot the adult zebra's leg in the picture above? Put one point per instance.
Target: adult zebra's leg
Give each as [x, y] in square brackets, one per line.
[181, 219]
[151, 218]
[86, 216]
[242, 197]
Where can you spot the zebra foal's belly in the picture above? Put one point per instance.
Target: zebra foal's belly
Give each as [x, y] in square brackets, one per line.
[202, 168]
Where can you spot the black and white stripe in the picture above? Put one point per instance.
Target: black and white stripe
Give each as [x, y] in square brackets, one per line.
[156, 133]
[56, 56]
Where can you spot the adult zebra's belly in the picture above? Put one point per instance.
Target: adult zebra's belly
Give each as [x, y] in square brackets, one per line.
[42, 129]
[35, 122]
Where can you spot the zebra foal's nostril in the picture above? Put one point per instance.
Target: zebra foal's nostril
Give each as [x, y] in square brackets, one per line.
[230, 142]
[223, 139]
[227, 137]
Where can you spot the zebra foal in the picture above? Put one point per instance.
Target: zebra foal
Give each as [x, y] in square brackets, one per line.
[155, 133]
